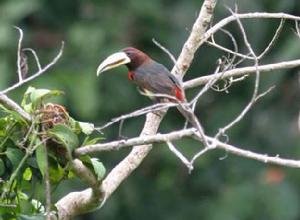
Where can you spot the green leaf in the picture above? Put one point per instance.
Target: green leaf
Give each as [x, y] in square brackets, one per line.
[13, 116]
[25, 206]
[31, 217]
[38, 205]
[3, 125]
[26, 95]
[88, 141]
[99, 168]
[41, 158]
[86, 128]
[27, 175]
[38, 94]
[94, 164]
[56, 172]
[65, 136]
[33, 97]
[2, 167]
[15, 156]
[28, 108]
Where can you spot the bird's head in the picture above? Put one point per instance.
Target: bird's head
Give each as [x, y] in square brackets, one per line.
[129, 56]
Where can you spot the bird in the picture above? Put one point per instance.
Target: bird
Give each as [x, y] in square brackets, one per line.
[151, 77]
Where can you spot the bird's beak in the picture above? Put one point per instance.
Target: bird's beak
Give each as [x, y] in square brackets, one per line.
[113, 61]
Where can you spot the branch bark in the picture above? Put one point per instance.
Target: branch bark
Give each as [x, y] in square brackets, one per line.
[191, 132]
[149, 139]
[10, 104]
[194, 40]
[133, 160]
[241, 71]
[37, 74]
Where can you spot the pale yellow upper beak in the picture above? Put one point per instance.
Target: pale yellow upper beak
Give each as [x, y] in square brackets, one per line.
[113, 61]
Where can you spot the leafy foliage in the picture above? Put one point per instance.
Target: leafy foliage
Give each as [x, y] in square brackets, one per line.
[29, 148]
[161, 189]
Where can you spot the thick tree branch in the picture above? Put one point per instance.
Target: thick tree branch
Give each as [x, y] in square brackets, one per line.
[11, 105]
[68, 206]
[191, 132]
[194, 40]
[138, 153]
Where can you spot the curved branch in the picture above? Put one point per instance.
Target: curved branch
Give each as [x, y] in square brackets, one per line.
[236, 16]
[138, 153]
[149, 139]
[194, 40]
[10, 104]
[191, 132]
[240, 72]
[37, 74]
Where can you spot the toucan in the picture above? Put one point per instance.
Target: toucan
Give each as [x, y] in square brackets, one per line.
[150, 76]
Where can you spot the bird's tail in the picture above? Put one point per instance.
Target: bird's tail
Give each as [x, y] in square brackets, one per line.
[189, 115]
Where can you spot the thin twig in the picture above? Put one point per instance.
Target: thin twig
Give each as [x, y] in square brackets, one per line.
[179, 155]
[47, 186]
[272, 42]
[165, 50]
[206, 87]
[232, 18]
[19, 53]
[11, 105]
[119, 144]
[218, 46]
[242, 71]
[235, 52]
[256, 84]
[143, 111]
[200, 153]
[37, 74]
[297, 28]
[299, 111]
[191, 132]
[37, 60]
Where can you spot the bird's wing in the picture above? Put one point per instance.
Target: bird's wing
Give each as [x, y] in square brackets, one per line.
[156, 78]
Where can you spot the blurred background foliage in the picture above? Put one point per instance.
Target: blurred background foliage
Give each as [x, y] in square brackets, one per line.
[221, 186]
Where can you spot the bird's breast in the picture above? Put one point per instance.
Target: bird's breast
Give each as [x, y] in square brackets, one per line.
[130, 75]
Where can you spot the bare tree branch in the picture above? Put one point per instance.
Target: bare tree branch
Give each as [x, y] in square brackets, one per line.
[194, 40]
[19, 71]
[191, 132]
[37, 60]
[232, 18]
[178, 154]
[272, 42]
[241, 71]
[256, 84]
[143, 111]
[148, 139]
[256, 156]
[138, 153]
[84, 173]
[165, 50]
[10, 104]
[37, 74]
[76, 203]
